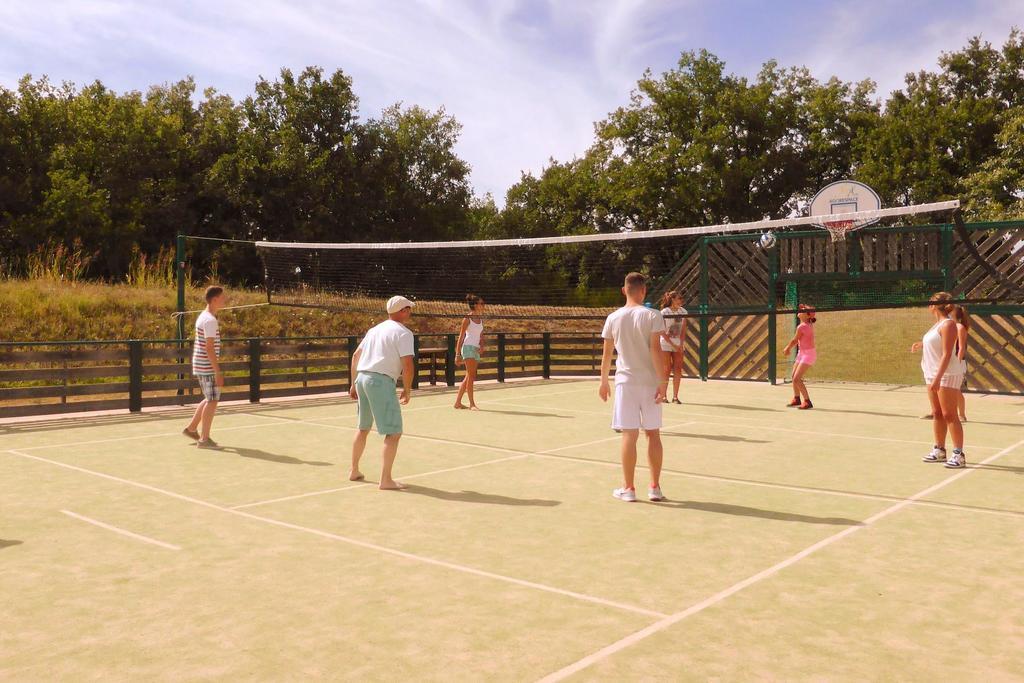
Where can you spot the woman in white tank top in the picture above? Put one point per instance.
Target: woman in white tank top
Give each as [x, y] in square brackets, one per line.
[943, 375]
[469, 348]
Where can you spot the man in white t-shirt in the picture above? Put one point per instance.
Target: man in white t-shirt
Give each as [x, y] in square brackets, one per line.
[384, 355]
[641, 381]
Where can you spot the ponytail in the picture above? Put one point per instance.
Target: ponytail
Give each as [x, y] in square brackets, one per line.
[961, 316]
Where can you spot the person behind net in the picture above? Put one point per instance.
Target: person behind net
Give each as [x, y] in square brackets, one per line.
[672, 339]
[806, 356]
[641, 382]
[385, 354]
[469, 349]
[206, 368]
[943, 376]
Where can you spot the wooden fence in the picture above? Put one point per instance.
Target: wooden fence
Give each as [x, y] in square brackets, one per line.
[38, 378]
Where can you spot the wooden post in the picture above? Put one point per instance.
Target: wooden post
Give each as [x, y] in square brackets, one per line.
[547, 356]
[501, 356]
[449, 360]
[135, 376]
[255, 369]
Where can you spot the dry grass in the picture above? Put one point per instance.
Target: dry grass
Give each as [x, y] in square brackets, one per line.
[44, 309]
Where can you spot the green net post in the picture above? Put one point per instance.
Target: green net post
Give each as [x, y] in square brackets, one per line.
[947, 258]
[179, 278]
[854, 255]
[792, 301]
[703, 309]
[773, 278]
[449, 360]
[501, 356]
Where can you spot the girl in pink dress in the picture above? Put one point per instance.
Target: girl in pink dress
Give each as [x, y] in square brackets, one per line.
[806, 355]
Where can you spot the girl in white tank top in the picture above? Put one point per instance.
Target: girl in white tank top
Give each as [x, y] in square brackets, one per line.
[944, 376]
[469, 348]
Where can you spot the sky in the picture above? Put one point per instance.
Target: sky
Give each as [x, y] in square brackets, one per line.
[527, 79]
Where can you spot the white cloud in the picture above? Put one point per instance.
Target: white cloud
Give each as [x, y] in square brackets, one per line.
[865, 40]
[526, 78]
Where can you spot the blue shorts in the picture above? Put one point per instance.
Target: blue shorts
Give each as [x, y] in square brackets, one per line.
[378, 403]
[470, 352]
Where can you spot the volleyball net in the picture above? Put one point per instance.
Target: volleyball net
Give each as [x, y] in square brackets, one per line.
[570, 277]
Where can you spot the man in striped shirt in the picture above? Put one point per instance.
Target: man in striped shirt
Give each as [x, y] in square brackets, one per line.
[206, 368]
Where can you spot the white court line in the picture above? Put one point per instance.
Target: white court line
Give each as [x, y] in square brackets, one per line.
[137, 437]
[119, 530]
[794, 487]
[673, 619]
[518, 455]
[728, 420]
[351, 541]
[550, 453]
[363, 484]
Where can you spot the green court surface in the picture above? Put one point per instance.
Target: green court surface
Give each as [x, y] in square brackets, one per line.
[794, 545]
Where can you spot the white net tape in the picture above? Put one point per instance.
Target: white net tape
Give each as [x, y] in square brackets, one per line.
[858, 218]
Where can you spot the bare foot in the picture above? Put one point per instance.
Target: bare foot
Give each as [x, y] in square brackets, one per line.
[459, 406]
[392, 486]
[356, 476]
[472, 406]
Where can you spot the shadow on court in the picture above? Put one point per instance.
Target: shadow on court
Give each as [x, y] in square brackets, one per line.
[8, 544]
[523, 413]
[271, 457]
[715, 437]
[1001, 468]
[878, 413]
[730, 406]
[743, 511]
[477, 497]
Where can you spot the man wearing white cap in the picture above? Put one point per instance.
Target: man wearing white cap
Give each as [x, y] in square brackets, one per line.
[385, 353]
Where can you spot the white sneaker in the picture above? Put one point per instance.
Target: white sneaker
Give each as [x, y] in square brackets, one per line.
[625, 495]
[654, 493]
[957, 460]
[937, 455]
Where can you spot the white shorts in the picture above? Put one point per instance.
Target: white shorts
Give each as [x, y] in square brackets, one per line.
[668, 348]
[635, 407]
[948, 381]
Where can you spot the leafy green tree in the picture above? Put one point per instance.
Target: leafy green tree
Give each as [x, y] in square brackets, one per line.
[944, 125]
[996, 190]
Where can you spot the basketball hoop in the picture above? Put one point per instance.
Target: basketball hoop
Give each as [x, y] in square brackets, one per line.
[844, 196]
[840, 229]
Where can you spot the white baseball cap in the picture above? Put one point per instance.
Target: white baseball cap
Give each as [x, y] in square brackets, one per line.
[397, 303]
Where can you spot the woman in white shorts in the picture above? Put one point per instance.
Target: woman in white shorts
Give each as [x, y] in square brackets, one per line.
[673, 338]
[943, 375]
